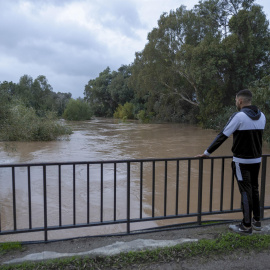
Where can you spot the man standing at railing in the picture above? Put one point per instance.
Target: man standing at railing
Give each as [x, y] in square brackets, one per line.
[247, 127]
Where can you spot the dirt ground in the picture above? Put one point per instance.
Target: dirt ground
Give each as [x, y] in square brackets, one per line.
[239, 260]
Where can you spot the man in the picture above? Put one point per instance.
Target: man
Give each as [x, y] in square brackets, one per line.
[247, 127]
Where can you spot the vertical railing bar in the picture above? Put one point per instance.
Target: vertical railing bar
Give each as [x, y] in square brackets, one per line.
[200, 187]
[188, 186]
[232, 191]
[141, 188]
[211, 185]
[60, 193]
[88, 193]
[29, 197]
[165, 188]
[101, 192]
[114, 192]
[153, 188]
[45, 203]
[263, 185]
[177, 187]
[14, 199]
[222, 186]
[74, 194]
[128, 197]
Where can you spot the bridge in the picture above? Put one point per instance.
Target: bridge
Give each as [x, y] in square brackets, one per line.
[60, 200]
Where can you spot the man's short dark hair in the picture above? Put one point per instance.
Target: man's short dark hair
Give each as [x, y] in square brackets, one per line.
[244, 93]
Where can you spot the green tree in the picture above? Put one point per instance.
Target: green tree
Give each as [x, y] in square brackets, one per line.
[199, 58]
[42, 95]
[23, 91]
[108, 90]
[96, 93]
[61, 101]
[19, 121]
[261, 98]
[7, 90]
[77, 110]
[119, 88]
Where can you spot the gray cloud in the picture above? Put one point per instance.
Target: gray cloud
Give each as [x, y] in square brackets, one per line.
[72, 41]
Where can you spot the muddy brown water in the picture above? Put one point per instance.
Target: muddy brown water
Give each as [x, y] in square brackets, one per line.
[109, 139]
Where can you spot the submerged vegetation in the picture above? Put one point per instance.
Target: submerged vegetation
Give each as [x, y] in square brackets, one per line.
[30, 110]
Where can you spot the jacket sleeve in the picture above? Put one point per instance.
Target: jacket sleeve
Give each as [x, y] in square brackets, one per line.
[230, 127]
[219, 140]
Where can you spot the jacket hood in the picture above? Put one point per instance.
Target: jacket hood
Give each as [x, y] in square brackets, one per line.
[252, 112]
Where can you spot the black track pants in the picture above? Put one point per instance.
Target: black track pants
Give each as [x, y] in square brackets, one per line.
[247, 179]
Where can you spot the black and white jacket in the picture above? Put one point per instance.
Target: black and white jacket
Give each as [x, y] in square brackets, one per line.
[247, 127]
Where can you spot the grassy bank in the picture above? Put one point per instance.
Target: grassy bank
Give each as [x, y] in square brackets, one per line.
[9, 247]
[224, 244]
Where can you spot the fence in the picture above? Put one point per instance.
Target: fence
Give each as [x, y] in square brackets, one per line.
[119, 195]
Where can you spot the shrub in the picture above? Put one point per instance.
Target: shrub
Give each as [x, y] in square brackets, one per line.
[124, 112]
[143, 117]
[22, 124]
[77, 110]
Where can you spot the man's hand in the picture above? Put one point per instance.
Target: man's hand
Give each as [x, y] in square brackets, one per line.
[202, 156]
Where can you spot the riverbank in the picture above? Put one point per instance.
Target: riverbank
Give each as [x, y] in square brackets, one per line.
[109, 246]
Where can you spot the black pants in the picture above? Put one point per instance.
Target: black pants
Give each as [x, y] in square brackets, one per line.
[247, 179]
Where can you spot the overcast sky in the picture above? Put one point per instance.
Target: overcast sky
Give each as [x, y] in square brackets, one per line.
[72, 41]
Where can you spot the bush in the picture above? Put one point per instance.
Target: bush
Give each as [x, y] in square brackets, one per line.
[22, 124]
[77, 110]
[143, 117]
[124, 112]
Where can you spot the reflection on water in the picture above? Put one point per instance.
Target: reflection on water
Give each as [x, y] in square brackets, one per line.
[107, 139]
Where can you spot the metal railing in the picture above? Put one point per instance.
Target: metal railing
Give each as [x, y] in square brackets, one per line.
[45, 197]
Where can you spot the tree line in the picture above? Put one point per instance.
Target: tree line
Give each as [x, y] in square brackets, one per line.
[30, 110]
[193, 64]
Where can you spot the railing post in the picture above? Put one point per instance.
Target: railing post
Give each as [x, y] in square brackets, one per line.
[165, 188]
[200, 180]
[45, 203]
[263, 182]
[128, 197]
[101, 192]
[14, 199]
[29, 197]
[88, 193]
[74, 194]
[60, 195]
[222, 185]
[141, 189]
[177, 187]
[153, 187]
[114, 192]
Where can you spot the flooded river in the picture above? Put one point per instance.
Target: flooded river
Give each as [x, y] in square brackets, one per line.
[101, 140]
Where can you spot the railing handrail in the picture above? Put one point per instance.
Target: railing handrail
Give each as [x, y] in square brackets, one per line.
[109, 161]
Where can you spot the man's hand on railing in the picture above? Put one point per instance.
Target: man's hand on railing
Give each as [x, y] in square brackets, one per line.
[202, 156]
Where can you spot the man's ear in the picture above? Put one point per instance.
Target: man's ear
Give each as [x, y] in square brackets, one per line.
[240, 100]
